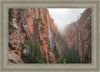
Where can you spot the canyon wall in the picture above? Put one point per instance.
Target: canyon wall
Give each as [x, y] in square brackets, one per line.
[34, 23]
[26, 24]
[78, 35]
[56, 36]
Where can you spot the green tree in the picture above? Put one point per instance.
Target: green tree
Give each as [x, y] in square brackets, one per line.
[56, 52]
[34, 55]
[70, 56]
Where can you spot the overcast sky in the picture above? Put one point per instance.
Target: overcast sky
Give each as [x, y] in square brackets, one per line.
[64, 16]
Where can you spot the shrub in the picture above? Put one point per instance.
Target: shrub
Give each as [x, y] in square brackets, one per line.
[43, 24]
[38, 19]
[63, 60]
[58, 60]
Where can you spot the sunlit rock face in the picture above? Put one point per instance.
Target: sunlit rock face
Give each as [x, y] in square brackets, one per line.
[78, 34]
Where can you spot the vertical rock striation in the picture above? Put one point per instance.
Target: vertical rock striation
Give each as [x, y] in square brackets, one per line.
[78, 34]
[29, 24]
[36, 24]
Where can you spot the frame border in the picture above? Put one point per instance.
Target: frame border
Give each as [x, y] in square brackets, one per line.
[97, 33]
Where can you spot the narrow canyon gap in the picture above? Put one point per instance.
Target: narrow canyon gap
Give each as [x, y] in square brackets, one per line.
[35, 38]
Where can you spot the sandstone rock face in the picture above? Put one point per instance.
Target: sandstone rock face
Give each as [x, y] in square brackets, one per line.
[56, 36]
[85, 34]
[29, 24]
[14, 58]
[78, 34]
[15, 36]
[33, 23]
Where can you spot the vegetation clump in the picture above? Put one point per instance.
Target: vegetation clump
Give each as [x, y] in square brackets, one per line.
[38, 19]
[56, 52]
[34, 55]
[19, 14]
[71, 56]
[11, 27]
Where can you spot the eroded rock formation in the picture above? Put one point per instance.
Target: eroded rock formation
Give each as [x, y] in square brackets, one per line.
[34, 23]
[78, 34]
[29, 24]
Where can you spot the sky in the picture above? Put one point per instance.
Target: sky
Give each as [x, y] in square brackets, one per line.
[64, 16]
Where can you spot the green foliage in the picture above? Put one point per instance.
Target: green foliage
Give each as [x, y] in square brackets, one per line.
[9, 33]
[58, 60]
[63, 60]
[34, 52]
[49, 48]
[43, 24]
[38, 19]
[19, 17]
[56, 52]
[70, 56]
[15, 43]
[11, 26]
[19, 14]
[9, 13]
[41, 28]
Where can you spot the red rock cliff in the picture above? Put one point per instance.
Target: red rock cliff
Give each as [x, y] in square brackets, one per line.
[78, 34]
[30, 24]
